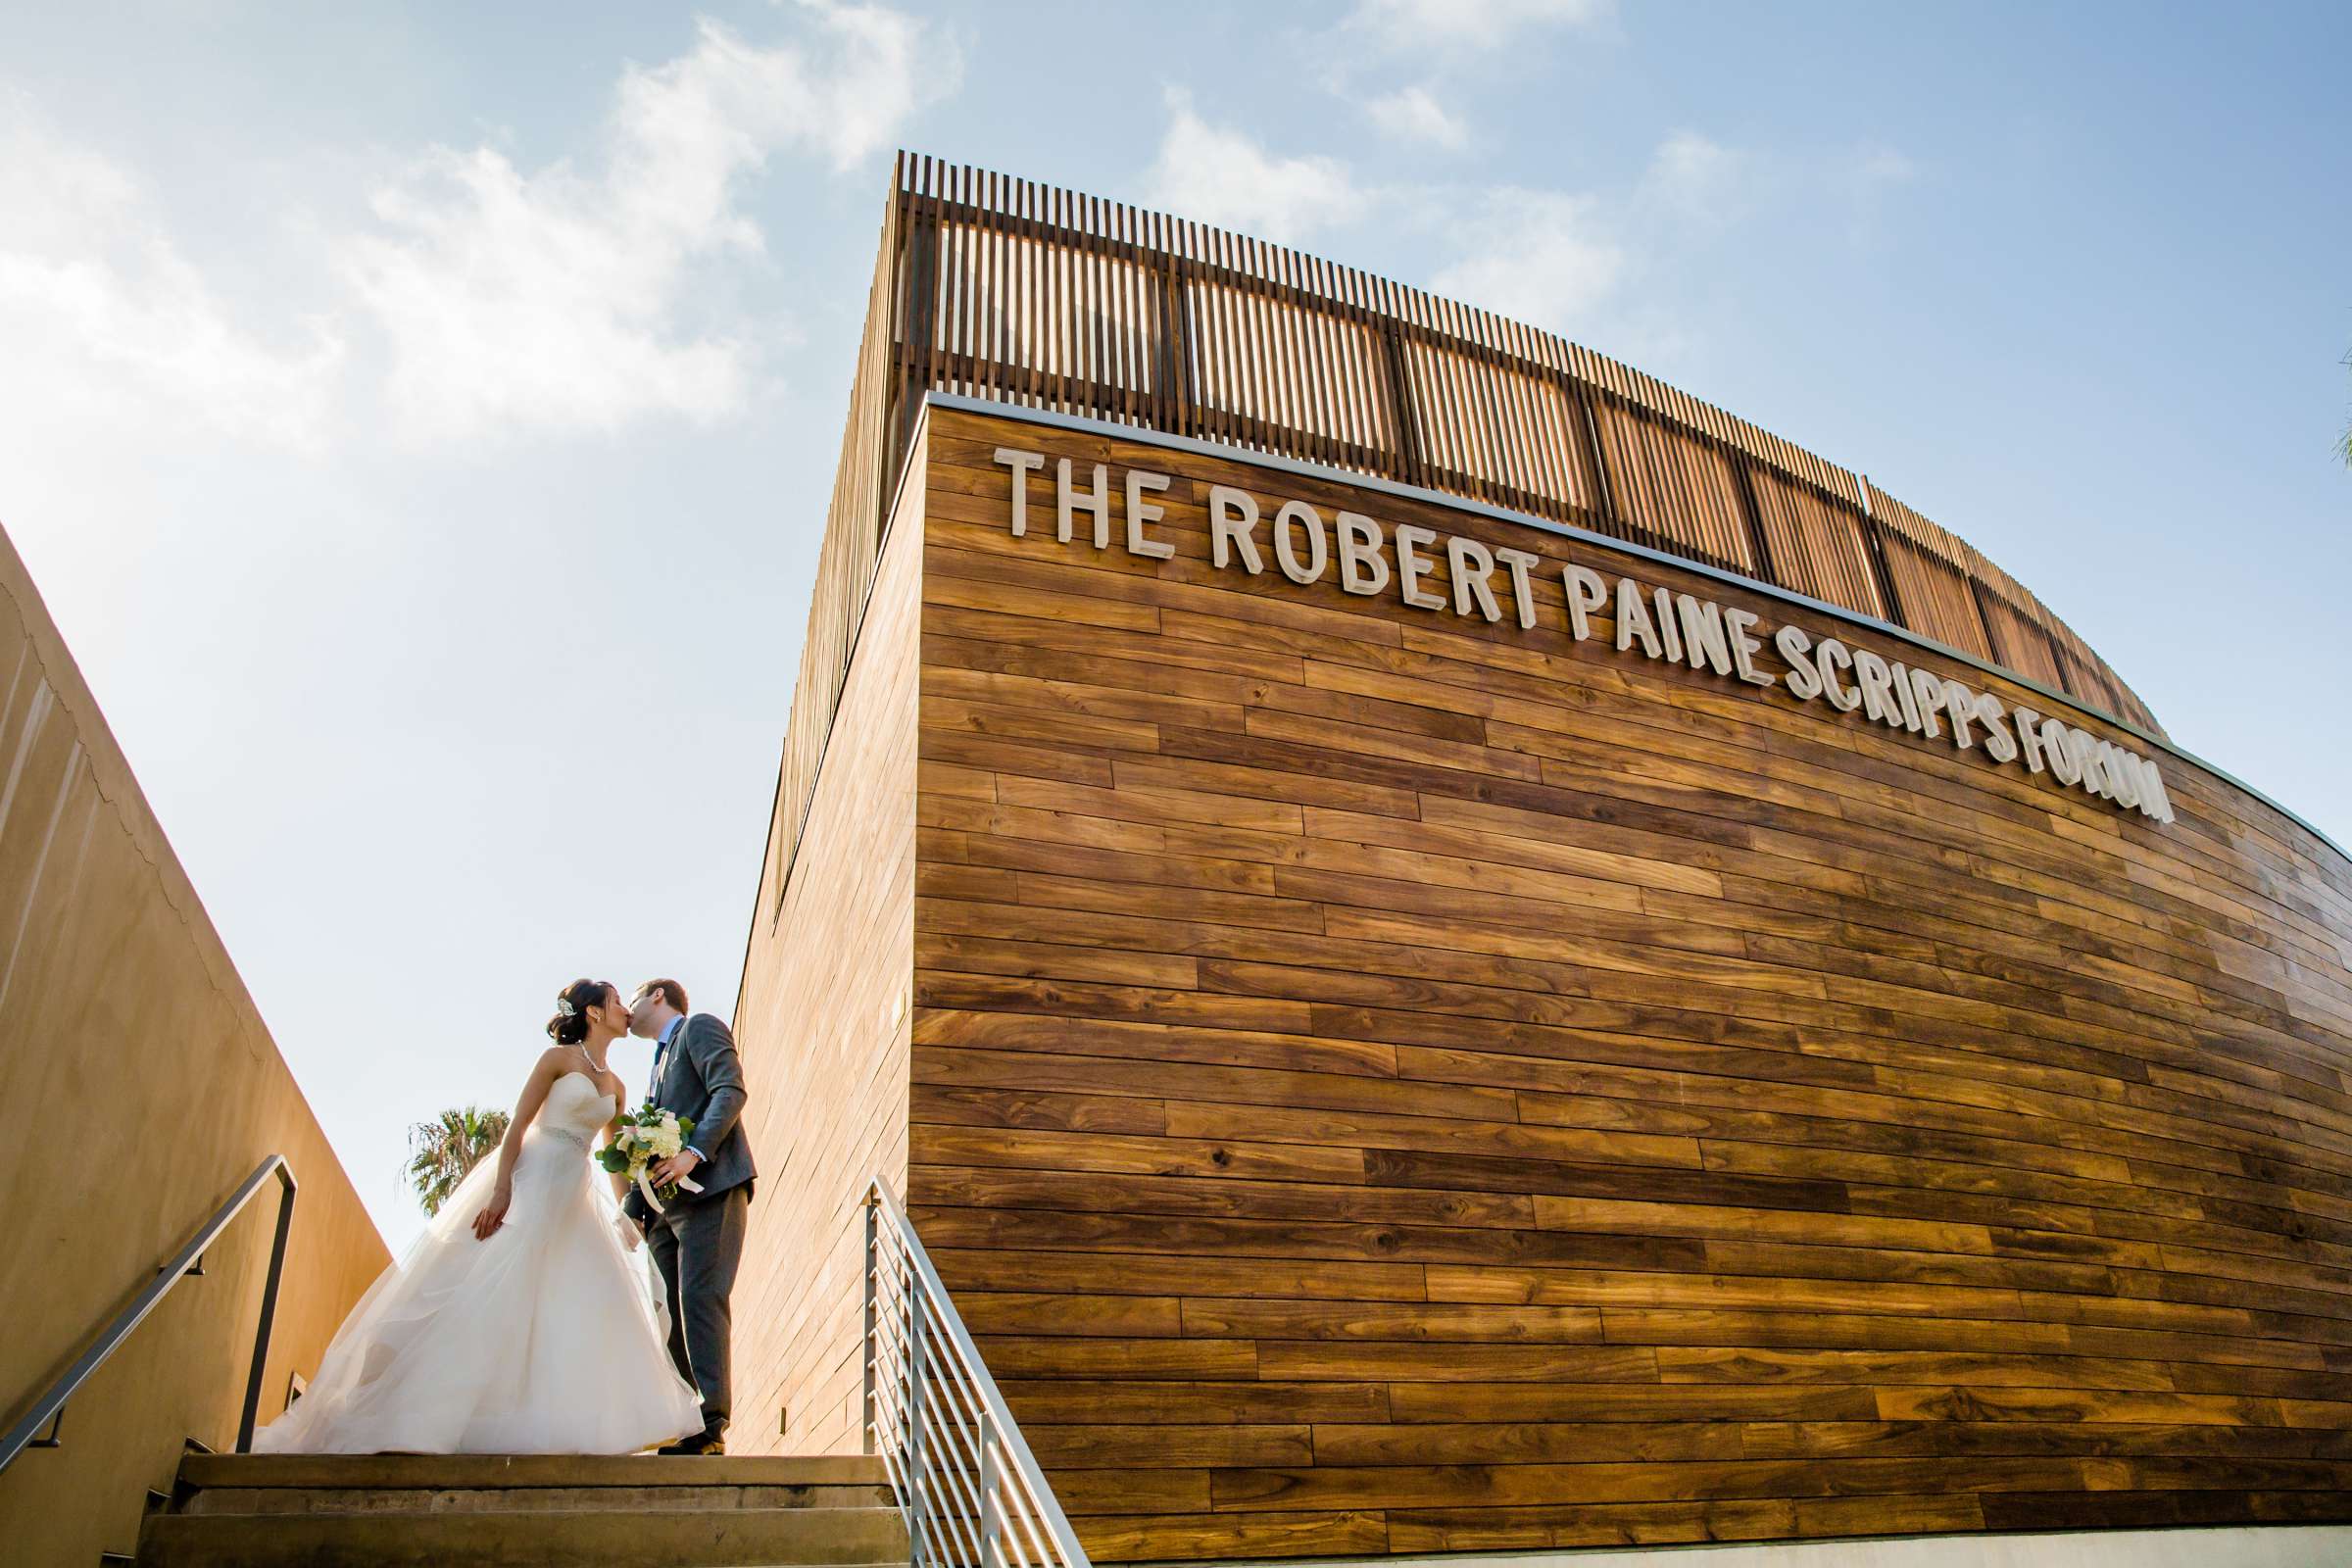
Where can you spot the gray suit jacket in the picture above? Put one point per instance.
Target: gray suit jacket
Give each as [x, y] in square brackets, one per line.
[703, 1078]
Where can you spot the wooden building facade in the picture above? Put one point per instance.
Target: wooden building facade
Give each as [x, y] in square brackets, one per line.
[1382, 1077]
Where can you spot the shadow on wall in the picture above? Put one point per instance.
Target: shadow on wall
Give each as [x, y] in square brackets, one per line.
[120, 1012]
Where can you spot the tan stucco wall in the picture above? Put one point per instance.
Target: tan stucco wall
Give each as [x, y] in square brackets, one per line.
[124, 1028]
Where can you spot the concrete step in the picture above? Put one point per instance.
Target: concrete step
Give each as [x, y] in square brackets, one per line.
[525, 1511]
[483, 1472]
[522, 1499]
[607, 1537]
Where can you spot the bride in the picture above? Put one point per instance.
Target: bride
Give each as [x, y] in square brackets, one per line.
[517, 1323]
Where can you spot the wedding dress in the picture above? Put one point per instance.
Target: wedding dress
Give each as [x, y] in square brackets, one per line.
[542, 1340]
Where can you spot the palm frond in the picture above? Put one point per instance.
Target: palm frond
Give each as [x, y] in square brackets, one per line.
[2343, 446]
[442, 1151]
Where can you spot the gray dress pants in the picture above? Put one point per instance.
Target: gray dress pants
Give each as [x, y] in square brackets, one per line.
[698, 1246]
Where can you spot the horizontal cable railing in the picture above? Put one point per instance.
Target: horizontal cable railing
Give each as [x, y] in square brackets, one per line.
[972, 1493]
[188, 1263]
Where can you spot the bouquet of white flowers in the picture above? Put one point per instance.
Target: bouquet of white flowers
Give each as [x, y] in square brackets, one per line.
[646, 1135]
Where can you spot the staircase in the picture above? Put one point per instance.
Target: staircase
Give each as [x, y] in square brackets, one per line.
[523, 1511]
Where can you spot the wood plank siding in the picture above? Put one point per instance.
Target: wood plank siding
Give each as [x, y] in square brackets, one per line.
[1386, 1081]
[1381, 1079]
[823, 1027]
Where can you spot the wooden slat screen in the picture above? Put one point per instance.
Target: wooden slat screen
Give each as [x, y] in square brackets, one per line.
[1018, 292]
[1680, 491]
[2017, 620]
[1930, 568]
[1816, 548]
[1972, 604]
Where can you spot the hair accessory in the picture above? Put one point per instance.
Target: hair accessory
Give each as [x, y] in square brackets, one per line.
[565, 1008]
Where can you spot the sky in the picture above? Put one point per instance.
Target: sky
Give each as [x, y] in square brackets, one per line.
[420, 420]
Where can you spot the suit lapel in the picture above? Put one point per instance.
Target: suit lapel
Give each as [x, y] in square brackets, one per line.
[669, 1062]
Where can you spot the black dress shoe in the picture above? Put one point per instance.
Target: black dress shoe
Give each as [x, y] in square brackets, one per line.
[705, 1443]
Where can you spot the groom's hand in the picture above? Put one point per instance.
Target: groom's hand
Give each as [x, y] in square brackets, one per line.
[681, 1164]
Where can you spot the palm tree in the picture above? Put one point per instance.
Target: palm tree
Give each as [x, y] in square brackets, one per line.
[2343, 445]
[442, 1151]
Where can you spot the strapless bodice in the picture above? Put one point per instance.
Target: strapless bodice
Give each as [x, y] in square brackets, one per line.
[574, 1109]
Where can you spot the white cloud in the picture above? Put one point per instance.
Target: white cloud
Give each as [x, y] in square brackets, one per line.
[1412, 113]
[106, 322]
[561, 299]
[1588, 263]
[1697, 179]
[1542, 257]
[1871, 173]
[1876, 164]
[558, 299]
[1579, 262]
[1546, 257]
[1422, 26]
[1218, 175]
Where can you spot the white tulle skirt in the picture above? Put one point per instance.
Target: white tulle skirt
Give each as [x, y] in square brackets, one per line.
[548, 1338]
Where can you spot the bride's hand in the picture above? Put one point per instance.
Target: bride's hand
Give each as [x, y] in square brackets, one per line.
[629, 1238]
[493, 1215]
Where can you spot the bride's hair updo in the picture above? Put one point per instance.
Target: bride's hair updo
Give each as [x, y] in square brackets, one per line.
[570, 1025]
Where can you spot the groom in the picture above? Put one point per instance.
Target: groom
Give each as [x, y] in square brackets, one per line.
[697, 1240]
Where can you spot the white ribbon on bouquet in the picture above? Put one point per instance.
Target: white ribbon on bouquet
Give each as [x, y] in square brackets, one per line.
[647, 1188]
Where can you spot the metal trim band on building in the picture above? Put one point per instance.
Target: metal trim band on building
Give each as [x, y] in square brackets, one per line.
[1267, 460]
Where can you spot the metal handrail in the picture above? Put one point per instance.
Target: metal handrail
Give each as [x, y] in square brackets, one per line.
[50, 1407]
[970, 1489]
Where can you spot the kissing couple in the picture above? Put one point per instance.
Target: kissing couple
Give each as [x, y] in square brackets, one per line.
[523, 1320]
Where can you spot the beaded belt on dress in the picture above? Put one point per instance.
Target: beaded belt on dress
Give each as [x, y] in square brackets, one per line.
[567, 1135]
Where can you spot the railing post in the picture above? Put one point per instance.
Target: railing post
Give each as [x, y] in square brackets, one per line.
[873, 1349]
[1754, 516]
[1587, 425]
[992, 1506]
[917, 1427]
[916, 348]
[1183, 386]
[1976, 596]
[1873, 548]
[261, 1336]
[1406, 427]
